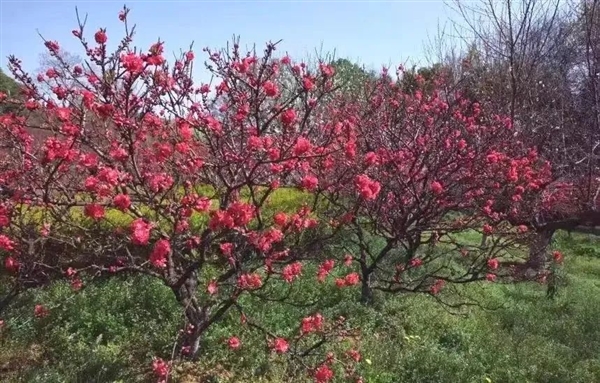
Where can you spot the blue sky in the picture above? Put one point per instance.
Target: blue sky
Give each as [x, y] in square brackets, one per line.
[374, 33]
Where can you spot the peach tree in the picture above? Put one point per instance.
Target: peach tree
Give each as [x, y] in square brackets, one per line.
[421, 167]
[126, 166]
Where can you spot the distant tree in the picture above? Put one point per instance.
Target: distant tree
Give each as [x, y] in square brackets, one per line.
[534, 60]
[416, 161]
[351, 77]
[8, 85]
[10, 88]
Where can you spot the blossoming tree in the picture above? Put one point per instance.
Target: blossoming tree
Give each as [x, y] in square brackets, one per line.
[127, 166]
[419, 167]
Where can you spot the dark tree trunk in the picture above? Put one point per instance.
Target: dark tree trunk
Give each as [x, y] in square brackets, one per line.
[195, 314]
[538, 249]
[366, 292]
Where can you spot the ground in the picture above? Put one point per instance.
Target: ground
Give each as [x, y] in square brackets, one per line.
[110, 331]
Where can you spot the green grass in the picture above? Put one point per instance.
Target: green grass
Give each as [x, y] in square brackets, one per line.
[287, 200]
[109, 332]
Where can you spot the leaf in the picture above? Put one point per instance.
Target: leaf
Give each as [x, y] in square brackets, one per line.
[368, 361]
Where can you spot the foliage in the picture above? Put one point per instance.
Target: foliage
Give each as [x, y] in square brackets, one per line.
[351, 78]
[10, 88]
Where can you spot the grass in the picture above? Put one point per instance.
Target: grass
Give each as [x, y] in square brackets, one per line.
[284, 199]
[109, 332]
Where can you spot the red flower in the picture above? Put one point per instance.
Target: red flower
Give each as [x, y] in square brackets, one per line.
[249, 281]
[312, 324]
[292, 271]
[437, 286]
[302, 146]
[234, 343]
[270, 88]
[354, 355]
[309, 182]
[160, 253]
[490, 277]
[324, 269]
[63, 114]
[40, 311]
[76, 284]
[367, 188]
[212, 287]
[241, 213]
[493, 158]
[109, 175]
[327, 70]
[280, 219]
[436, 187]
[100, 37]
[94, 211]
[348, 260]
[6, 243]
[487, 229]
[254, 143]
[558, 257]
[371, 159]
[221, 220]
[52, 46]
[70, 272]
[415, 262]
[307, 83]
[11, 264]
[155, 57]
[226, 248]
[160, 368]
[493, 263]
[264, 241]
[182, 226]
[323, 374]
[140, 232]
[288, 117]
[122, 202]
[132, 63]
[280, 345]
[352, 279]
[52, 73]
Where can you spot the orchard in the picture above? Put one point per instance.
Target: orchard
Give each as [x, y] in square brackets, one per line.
[232, 193]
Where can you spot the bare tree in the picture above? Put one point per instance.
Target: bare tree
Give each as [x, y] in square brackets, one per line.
[536, 60]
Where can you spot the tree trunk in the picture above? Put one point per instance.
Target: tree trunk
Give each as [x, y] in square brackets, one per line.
[538, 249]
[195, 314]
[366, 292]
